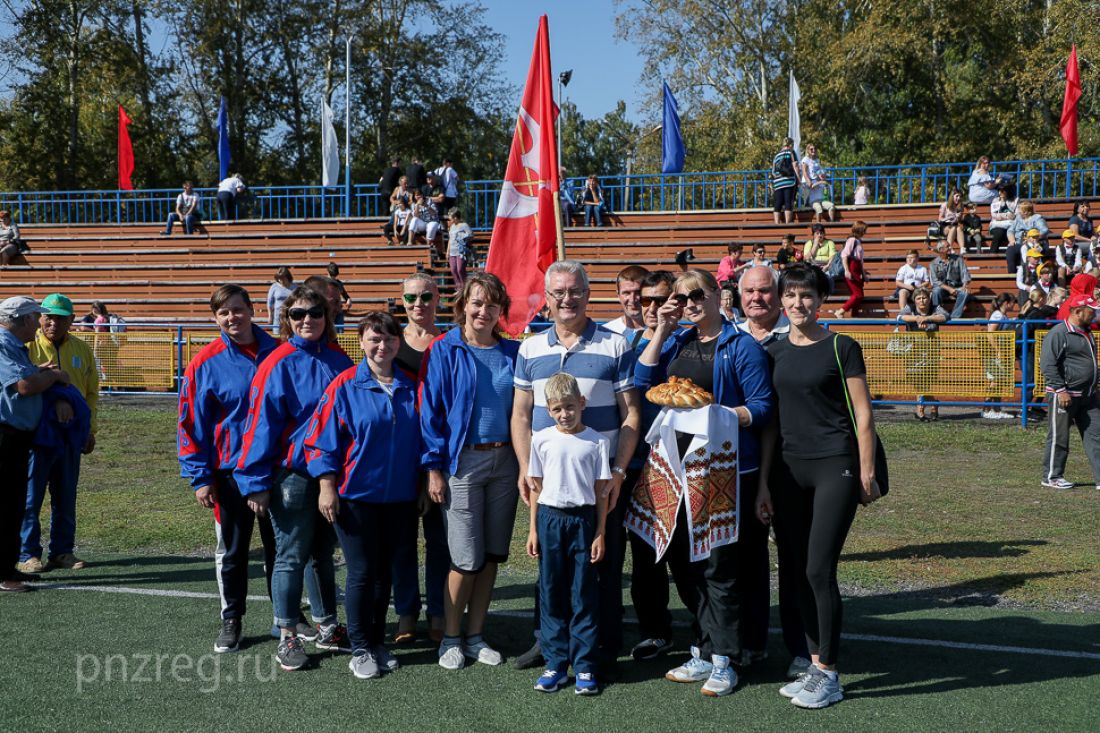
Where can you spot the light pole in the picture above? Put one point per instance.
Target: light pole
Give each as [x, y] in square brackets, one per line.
[347, 127]
[563, 81]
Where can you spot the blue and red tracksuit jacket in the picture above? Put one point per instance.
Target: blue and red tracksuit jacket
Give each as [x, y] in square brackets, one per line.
[368, 439]
[214, 404]
[284, 393]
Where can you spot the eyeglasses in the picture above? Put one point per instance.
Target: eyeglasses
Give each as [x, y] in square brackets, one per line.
[648, 300]
[299, 314]
[560, 295]
[425, 297]
[696, 296]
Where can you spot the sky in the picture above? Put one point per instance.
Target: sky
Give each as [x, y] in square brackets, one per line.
[582, 38]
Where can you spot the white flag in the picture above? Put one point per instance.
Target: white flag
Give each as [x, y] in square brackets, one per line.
[330, 148]
[794, 122]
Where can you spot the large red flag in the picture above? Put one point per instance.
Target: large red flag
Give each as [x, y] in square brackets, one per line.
[1069, 104]
[125, 152]
[525, 231]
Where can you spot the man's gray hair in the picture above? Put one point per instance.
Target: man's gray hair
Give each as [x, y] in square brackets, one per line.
[771, 271]
[567, 267]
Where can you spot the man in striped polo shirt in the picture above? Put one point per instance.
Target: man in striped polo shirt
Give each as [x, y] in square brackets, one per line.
[603, 365]
[784, 182]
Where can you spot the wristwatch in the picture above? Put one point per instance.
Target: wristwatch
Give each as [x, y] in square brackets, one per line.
[619, 470]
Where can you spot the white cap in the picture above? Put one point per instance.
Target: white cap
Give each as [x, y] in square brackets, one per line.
[19, 306]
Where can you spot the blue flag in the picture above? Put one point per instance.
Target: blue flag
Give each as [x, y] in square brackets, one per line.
[672, 142]
[223, 141]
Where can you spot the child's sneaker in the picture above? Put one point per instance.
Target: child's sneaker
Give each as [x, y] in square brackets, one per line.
[586, 684]
[695, 669]
[551, 681]
[722, 678]
[820, 690]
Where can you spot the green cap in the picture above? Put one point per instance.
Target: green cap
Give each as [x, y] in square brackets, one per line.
[58, 305]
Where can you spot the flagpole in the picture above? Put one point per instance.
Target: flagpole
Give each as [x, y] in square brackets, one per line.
[347, 129]
[558, 227]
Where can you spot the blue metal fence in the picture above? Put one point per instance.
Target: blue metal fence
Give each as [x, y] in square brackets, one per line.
[888, 184]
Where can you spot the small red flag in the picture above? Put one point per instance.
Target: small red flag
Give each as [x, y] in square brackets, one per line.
[1069, 104]
[125, 152]
[525, 230]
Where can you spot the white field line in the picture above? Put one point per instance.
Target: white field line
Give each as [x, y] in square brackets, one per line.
[940, 643]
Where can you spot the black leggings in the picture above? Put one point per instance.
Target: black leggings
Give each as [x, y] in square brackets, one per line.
[815, 501]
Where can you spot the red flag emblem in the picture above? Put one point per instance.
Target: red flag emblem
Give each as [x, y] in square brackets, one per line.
[525, 231]
[1069, 104]
[125, 152]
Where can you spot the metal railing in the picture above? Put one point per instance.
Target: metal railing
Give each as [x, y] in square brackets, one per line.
[953, 366]
[888, 184]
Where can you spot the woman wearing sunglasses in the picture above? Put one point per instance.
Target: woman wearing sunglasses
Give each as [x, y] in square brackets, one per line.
[272, 472]
[362, 442]
[729, 363]
[420, 297]
[465, 417]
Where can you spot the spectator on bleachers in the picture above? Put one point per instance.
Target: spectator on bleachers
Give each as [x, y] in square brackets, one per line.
[333, 271]
[922, 358]
[1027, 273]
[1025, 222]
[851, 259]
[759, 258]
[971, 225]
[862, 193]
[911, 275]
[388, 183]
[731, 266]
[822, 253]
[1002, 359]
[459, 244]
[433, 191]
[1071, 257]
[328, 289]
[982, 189]
[448, 178]
[420, 299]
[787, 254]
[1045, 281]
[593, 202]
[187, 211]
[424, 219]
[728, 303]
[1056, 299]
[228, 191]
[568, 206]
[950, 211]
[403, 192]
[415, 174]
[949, 275]
[1002, 214]
[815, 183]
[279, 291]
[11, 244]
[628, 289]
[1081, 224]
[784, 182]
[395, 228]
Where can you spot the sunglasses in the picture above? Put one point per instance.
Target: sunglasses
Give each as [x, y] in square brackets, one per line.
[696, 296]
[299, 314]
[411, 298]
[648, 300]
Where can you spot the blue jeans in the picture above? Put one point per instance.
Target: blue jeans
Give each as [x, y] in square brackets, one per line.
[961, 297]
[189, 222]
[58, 470]
[437, 561]
[300, 533]
[369, 534]
[593, 211]
[227, 205]
[568, 588]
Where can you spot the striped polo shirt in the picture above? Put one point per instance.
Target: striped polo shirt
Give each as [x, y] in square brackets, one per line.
[601, 362]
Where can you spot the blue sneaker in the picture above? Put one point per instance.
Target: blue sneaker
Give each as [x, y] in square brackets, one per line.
[551, 681]
[722, 678]
[586, 684]
[695, 669]
[820, 690]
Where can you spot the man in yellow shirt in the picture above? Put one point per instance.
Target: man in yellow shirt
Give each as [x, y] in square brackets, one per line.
[53, 468]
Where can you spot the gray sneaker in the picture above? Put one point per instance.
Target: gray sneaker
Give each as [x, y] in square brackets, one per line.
[306, 632]
[798, 667]
[229, 640]
[483, 653]
[819, 691]
[364, 665]
[1057, 483]
[385, 660]
[791, 689]
[291, 655]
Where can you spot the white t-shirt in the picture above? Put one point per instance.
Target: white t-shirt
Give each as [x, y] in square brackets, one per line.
[185, 202]
[813, 168]
[232, 184]
[569, 465]
[914, 276]
[617, 326]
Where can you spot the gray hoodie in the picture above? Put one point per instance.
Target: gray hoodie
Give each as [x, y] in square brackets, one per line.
[1068, 360]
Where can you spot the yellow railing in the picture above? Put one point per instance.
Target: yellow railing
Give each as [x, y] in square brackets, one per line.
[135, 359]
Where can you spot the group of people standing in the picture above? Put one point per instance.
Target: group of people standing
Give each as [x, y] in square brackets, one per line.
[317, 448]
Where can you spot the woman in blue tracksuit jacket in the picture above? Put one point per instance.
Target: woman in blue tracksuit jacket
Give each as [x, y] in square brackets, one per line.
[272, 469]
[465, 416]
[363, 445]
[731, 585]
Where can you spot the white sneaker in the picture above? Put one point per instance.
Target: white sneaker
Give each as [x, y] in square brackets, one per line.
[483, 653]
[989, 414]
[451, 657]
[695, 669]
[1058, 483]
[722, 678]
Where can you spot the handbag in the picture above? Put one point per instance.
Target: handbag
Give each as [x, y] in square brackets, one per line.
[882, 470]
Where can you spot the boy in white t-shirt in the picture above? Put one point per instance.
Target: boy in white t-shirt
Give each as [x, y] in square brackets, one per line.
[571, 466]
[911, 276]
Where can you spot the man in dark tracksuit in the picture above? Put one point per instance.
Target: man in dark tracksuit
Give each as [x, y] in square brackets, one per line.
[1068, 363]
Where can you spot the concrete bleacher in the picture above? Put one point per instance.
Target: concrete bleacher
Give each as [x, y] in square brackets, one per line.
[144, 276]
